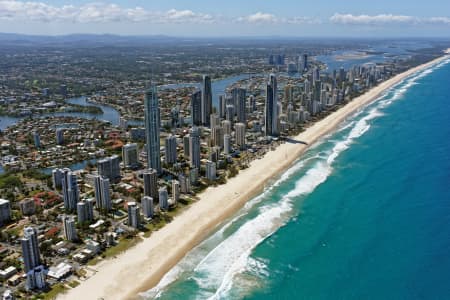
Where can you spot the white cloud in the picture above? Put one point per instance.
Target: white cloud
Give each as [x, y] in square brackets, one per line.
[266, 18]
[383, 19]
[186, 16]
[301, 20]
[370, 20]
[259, 17]
[439, 20]
[94, 13]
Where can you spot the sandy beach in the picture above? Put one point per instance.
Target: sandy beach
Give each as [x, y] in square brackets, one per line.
[141, 267]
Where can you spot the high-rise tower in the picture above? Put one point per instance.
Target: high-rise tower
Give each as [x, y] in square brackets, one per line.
[206, 100]
[271, 107]
[152, 124]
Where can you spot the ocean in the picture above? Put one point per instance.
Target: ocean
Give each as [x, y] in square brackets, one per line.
[363, 214]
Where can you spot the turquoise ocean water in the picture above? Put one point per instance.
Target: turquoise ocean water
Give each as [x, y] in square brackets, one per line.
[365, 214]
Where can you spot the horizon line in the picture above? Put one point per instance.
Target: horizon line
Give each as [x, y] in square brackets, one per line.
[227, 36]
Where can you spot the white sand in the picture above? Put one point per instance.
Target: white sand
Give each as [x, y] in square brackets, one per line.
[141, 267]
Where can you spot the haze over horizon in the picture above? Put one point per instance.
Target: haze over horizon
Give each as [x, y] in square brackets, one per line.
[232, 18]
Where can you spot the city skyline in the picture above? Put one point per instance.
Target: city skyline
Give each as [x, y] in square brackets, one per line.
[234, 144]
[233, 19]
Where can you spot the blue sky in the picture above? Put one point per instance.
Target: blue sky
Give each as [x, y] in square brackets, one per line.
[363, 18]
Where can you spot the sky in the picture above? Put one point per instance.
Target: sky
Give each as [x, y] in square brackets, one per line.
[201, 18]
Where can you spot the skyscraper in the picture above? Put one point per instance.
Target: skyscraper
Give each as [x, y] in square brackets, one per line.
[171, 150]
[185, 184]
[226, 125]
[196, 108]
[163, 199]
[31, 259]
[229, 112]
[150, 183]
[240, 135]
[226, 144]
[60, 136]
[211, 170]
[70, 232]
[305, 62]
[342, 74]
[130, 155]
[90, 209]
[217, 136]
[239, 99]
[147, 206]
[30, 248]
[109, 167]
[214, 120]
[252, 103]
[152, 124]
[70, 190]
[134, 219]
[102, 194]
[222, 104]
[206, 100]
[175, 191]
[194, 148]
[81, 212]
[57, 175]
[271, 107]
[186, 146]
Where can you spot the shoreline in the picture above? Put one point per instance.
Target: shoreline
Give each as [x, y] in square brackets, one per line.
[156, 255]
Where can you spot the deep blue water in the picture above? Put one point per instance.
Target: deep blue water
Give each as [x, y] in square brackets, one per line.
[364, 214]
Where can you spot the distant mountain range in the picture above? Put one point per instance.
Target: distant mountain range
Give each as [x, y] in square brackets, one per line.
[16, 39]
[13, 39]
